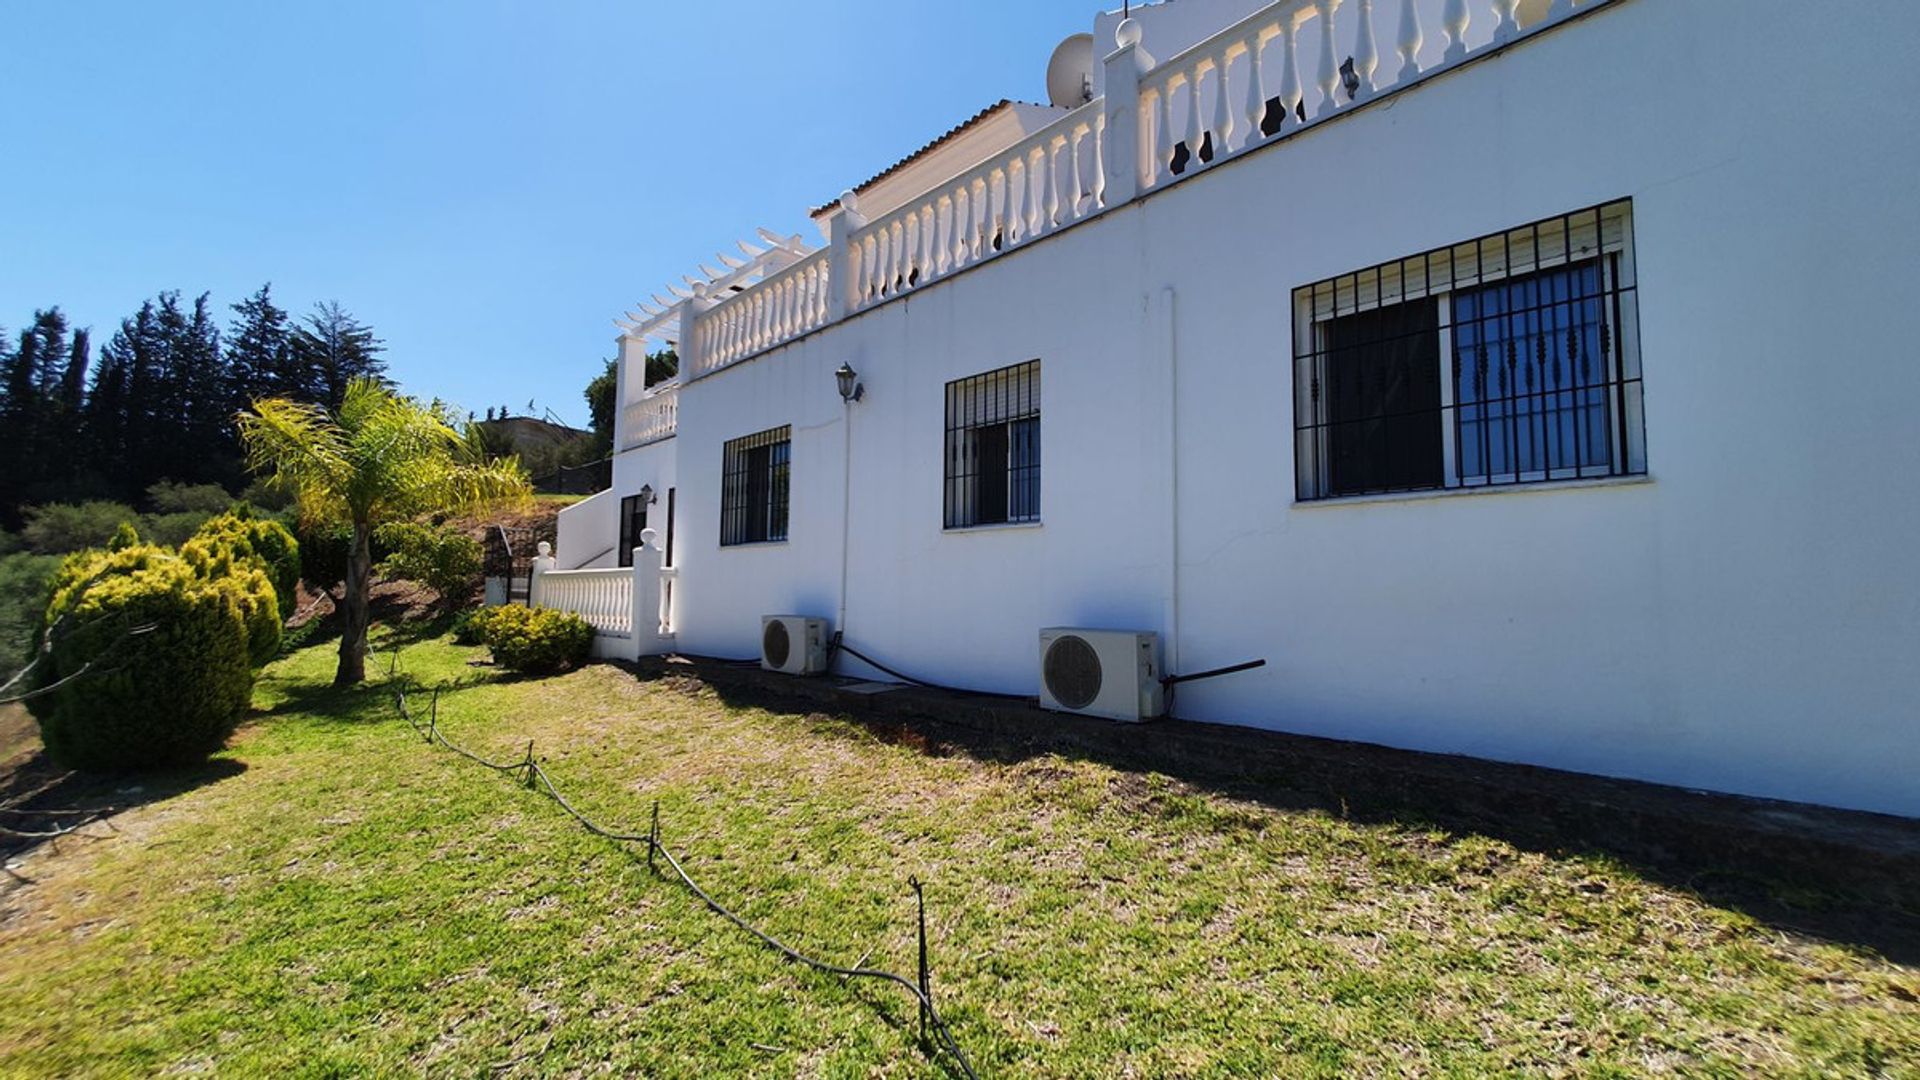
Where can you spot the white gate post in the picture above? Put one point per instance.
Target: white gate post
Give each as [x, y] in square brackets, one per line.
[542, 563]
[646, 596]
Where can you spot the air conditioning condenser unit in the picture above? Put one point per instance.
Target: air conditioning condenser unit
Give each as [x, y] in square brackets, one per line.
[794, 644]
[1109, 673]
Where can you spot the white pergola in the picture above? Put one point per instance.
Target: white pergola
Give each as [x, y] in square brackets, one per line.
[658, 317]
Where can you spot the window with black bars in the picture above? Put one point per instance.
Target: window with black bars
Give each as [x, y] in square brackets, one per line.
[993, 447]
[633, 521]
[753, 487]
[1510, 359]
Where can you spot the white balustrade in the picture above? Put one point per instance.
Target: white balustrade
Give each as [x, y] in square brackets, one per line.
[778, 308]
[652, 418]
[1189, 120]
[604, 598]
[1218, 99]
[1031, 188]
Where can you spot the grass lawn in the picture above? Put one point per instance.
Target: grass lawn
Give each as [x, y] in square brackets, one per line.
[335, 898]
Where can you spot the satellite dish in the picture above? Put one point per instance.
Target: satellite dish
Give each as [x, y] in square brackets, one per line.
[1070, 72]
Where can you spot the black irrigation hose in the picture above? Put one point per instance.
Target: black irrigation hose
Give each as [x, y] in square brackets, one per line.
[431, 733]
[839, 645]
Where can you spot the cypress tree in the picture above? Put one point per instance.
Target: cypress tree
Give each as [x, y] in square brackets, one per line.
[332, 348]
[104, 423]
[19, 418]
[73, 382]
[209, 444]
[50, 345]
[142, 429]
[259, 351]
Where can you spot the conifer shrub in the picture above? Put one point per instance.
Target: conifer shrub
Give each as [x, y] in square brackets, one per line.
[157, 656]
[246, 535]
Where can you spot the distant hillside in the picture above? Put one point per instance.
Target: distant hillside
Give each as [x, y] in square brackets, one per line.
[561, 459]
[535, 440]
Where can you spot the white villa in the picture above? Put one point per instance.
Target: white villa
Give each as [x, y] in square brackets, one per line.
[1526, 379]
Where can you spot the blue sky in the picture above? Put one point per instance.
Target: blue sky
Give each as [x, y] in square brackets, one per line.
[486, 183]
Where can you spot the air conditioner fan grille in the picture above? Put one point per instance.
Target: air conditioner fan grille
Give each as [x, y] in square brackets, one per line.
[776, 644]
[1072, 672]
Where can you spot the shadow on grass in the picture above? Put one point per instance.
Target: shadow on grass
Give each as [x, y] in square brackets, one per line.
[1829, 877]
[41, 796]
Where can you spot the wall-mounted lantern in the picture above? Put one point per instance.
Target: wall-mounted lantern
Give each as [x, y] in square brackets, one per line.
[851, 388]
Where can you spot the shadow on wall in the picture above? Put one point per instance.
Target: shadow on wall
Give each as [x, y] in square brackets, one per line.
[1848, 878]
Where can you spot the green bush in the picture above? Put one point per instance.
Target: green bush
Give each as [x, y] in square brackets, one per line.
[23, 599]
[444, 560]
[163, 696]
[173, 530]
[168, 497]
[262, 539]
[64, 528]
[268, 496]
[470, 627]
[537, 641]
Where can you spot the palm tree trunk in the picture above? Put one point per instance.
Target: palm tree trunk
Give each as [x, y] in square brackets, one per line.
[353, 634]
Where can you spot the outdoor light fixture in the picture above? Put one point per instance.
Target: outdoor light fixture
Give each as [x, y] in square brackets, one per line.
[647, 497]
[851, 388]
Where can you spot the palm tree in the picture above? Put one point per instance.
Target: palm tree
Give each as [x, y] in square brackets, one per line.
[380, 457]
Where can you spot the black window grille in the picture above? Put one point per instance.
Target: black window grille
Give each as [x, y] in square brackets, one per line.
[753, 491]
[633, 521]
[671, 499]
[1509, 359]
[993, 447]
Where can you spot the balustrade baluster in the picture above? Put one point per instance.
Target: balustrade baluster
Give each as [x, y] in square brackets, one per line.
[1291, 93]
[1163, 139]
[903, 251]
[1454, 20]
[1329, 81]
[1074, 182]
[1410, 41]
[1033, 185]
[1256, 107]
[962, 218]
[1366, 55]
[943, 235]
[1223, 119]
[1195, 130]
[1099, 134]
[1050, 193]
[982, 220]
[1505, 26]
[1017, 200]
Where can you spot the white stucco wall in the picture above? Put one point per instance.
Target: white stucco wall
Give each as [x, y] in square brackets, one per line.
[1747, 619]
[652, 465]
[585, 532]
